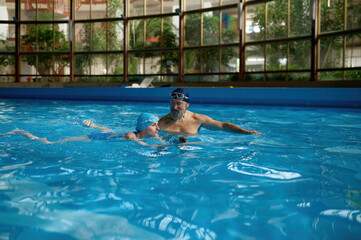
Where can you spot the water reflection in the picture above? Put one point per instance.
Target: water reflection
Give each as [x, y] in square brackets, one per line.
[177, 227]
[249, 169]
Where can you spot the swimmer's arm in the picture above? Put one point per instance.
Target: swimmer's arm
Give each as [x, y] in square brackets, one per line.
[211, 124]
[131, 136]
[93, 125]
[160, 139]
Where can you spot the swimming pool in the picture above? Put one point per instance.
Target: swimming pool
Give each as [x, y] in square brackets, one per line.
[301, 179]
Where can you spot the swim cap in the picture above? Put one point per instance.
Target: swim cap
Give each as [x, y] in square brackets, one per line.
[145, 120]
[180, 94]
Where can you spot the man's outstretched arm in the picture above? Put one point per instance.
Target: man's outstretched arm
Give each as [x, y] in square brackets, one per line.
[211, 124]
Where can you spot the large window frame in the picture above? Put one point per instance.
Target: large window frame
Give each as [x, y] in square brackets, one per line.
[246, 55]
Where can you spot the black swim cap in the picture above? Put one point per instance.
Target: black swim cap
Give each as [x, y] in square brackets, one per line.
[181, 94]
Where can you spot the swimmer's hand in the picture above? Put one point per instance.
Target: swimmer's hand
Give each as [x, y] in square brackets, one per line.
[254, 132]
[89, 124]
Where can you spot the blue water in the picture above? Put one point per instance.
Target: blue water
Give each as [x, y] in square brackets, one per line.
[300, 179]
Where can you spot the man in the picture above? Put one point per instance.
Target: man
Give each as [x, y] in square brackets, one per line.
[181, 120]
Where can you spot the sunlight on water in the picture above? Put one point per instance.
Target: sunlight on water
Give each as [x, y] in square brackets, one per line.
[300, 179]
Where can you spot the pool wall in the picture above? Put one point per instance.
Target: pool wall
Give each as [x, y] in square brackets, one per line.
[313, 97]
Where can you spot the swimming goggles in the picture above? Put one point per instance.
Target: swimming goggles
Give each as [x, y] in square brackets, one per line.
[152, 120]
[177, 95]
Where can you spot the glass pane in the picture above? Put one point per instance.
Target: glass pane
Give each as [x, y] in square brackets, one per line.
[192, 30]
[28, 10]
[137, 79]
[83, 79]
[210, 3]
[7, 64]
[61, 65]
[7, 10]
[7, 38]
[168, 62]
[61, 34]
[332, 15]
[299, 76]
[170, 36]
[330, 76]
[230, 30]
[210, 60]
[299, 55]
[82, 64]
[98, 79]
[153, 32]
[153, 7]
[168, 79]
[300, 19]
[82, 36]
[255, 22]
[254, 77]
[276, 56]
[170, 6]
[28, 37]
[227, 2]
[277, 19]
[192, 5]
[117, 79]
[136, 8]
[98, 66]
[210, 78]
[211, 28]
[331, 52]
[82, 9]
[115, 64]
[62, 10]
[115, 35]
[152, 64]
[230, 59]
[276, 77]
[98, 9]
[192, 61]
[99, 41]
[229, 78]
[192, 78]
[136, 63]
[45, 10]
[353, 75]
[45, 65]
[136, 34]
[254, 58]
[353, 14]
[115, 8]
[28, 63]
[45, 38]
[353, 51]
[7, 79]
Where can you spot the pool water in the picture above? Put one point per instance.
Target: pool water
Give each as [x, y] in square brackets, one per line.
[300, 179]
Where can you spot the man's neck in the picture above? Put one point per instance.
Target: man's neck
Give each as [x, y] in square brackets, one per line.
[181, 118]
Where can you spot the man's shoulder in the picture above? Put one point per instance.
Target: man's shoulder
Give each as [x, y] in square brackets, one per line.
[197, 116]
[165, 117]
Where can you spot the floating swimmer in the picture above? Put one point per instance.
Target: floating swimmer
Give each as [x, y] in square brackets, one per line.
[147, 127]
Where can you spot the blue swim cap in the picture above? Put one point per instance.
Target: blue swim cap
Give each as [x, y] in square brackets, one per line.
[180, 94]
[145, 120]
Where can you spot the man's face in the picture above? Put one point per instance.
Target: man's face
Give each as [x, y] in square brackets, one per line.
[178, 108]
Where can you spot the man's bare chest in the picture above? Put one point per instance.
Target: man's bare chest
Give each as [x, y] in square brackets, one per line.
[186, 126]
